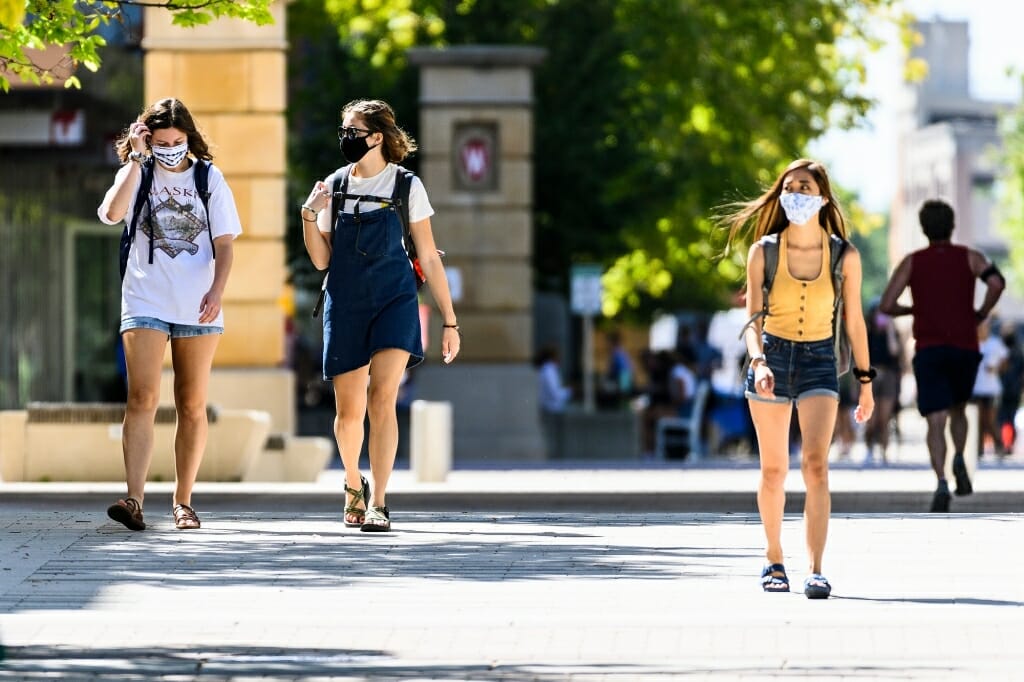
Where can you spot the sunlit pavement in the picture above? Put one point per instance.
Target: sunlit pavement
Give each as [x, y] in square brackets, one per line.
[558, 571]
[507, 596]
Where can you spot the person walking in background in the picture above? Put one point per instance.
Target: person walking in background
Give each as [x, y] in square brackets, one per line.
[885, 350]
[1011, 383]
[791, 344]
[371, 310]
[552, 397]
[619, 377]
[179, 256]
[941, 281]
[987, 387]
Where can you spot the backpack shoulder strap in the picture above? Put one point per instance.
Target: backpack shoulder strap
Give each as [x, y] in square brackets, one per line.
[338, 189]
[141, 196]
[837, 249]
[201, 178]
[400, 197]
[770, 249]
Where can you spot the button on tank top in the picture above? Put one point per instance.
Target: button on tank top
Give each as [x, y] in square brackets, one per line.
[801, 310]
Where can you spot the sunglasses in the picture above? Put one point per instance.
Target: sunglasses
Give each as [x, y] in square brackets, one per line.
[352, 133]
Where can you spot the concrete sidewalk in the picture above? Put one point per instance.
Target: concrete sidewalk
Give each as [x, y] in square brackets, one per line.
[714, 486]
[504, 596]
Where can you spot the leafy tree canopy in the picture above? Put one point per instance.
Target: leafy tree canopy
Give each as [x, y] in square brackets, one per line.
[653, 111]
[29, 26]
[1011, 191]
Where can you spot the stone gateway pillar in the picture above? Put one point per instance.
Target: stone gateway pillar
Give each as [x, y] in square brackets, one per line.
[231, 75]
[476, 160]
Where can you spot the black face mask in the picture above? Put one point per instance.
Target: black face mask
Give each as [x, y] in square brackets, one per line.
[354, 148]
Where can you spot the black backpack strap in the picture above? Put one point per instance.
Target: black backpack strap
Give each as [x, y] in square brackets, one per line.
[141, 201]
[837, 249]
[338, 189]
[201, 177]
[770, 250]
[400, 198]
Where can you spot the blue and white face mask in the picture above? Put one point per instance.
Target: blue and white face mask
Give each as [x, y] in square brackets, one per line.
[170, 157]
[800, 208]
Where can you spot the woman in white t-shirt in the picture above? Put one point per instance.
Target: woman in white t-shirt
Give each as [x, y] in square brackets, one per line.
[987, 386]
[371, 310]
[179, 255]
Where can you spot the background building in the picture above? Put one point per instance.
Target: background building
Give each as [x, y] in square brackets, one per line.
[949, 147]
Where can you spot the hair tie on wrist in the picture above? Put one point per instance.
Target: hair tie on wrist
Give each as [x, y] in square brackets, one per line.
[865, 376]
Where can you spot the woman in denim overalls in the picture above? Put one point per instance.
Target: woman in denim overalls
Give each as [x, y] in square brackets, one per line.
[371, 314]
[793, 358]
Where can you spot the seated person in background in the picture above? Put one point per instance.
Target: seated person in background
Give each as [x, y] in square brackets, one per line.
[658, 397]
[683, 381]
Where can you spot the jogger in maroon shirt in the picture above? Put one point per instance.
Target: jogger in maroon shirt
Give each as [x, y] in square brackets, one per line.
[941, 280]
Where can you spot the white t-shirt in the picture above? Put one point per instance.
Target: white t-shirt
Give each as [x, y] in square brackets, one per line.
[173, 285]
[685, 376]
[383, 185]
[993, 352]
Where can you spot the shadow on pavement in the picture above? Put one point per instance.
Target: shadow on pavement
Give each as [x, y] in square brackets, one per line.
[29, 663]
[263, 550]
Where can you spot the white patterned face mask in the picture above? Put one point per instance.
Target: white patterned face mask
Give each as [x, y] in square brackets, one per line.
[170, 157]
[800, 208]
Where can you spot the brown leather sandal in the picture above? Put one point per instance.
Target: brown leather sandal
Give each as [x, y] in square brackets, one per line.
[185, 517]
[129, 512]
[358, 514]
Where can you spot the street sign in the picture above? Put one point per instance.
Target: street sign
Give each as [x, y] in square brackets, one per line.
[586, 289]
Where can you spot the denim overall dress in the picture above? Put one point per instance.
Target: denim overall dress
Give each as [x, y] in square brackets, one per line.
[371, 302]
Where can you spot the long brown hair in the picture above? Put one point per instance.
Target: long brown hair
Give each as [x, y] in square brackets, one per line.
[380, 118]
[168, 113]
[764, 215]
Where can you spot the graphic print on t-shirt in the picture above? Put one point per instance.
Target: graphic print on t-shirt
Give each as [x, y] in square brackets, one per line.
[176, 224]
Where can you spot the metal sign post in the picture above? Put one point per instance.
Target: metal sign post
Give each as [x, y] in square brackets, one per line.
[586, 301]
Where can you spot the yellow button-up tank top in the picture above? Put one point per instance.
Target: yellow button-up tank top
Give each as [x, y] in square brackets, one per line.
[801, 310]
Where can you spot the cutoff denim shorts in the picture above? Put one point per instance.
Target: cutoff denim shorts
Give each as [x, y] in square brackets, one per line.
[802, 369]
[172, 329]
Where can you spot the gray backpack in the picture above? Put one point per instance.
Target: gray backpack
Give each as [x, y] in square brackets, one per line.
[837, 248]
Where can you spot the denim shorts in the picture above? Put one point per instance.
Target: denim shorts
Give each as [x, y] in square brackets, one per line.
[802, 369]
[172, 329]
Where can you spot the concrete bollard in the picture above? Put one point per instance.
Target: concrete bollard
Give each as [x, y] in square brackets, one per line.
[430, 440]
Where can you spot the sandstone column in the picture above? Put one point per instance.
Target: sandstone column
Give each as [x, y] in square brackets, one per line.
[476, 146]
[231, 75]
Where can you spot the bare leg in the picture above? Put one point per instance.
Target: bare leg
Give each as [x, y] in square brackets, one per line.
[771, 422]
[192, 358]
[350, 411]
[957, 428]
[386, 371]
[936, 439]
[816, 415]
[144, 354]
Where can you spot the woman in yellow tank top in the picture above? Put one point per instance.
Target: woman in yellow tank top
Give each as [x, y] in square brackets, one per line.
[793, 357]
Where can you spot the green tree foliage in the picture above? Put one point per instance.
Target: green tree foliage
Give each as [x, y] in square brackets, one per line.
[28, 26]
[649, 114]
[1011, 191]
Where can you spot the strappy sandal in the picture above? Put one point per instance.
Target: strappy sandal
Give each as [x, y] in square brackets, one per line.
[816, 586]
[362, 495]
[185, 517]
[773, 578]
[129, 512]
[378, 520]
